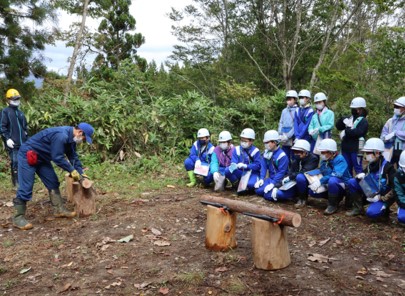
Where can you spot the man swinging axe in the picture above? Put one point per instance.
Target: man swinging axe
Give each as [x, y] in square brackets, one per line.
[34, 157]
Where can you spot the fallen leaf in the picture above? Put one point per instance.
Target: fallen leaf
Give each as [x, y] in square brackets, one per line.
[155, 231]
[67, 265]
[65, 287]
[142, 286]
[363, 270]
[170, 186]
[359, 277]
[318, 257]
[312, 243]
[161, 243]
[25, 270]
[9, 204]
[321, 243]
[382, 274]
[126, 239]
[137, 154]
[164, 290]
[221, 269]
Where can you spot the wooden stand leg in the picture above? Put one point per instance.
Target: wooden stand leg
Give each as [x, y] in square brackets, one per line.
[220, 230]
[84, 199]
[270, 245]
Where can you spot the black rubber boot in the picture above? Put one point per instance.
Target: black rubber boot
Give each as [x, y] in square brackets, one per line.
[357, 205]
[302, 201]
[19, 220]
[59, 209]
[333, 201]
[14, 178]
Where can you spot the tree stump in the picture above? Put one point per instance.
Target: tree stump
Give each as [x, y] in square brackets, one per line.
[220, 229]
[270, 245]
[83, 197]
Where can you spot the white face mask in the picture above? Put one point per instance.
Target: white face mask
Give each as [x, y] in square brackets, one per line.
[302, 102]
[223, 146]
[267, 146]
[319, 106]
[78, 140]
[324, 157]
[15, 103]
[290, 103]
[244, 145]
[371, 158]
[397, 111]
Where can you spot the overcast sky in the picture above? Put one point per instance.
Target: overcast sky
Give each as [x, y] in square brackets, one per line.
[151, 20]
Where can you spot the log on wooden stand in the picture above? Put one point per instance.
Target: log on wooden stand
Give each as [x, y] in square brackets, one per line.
[83, 197]
[220, 230]
[270, 245]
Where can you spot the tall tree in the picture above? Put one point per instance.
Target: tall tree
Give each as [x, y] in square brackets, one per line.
[21, 35]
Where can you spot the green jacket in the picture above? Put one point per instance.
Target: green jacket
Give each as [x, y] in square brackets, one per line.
[324, 122]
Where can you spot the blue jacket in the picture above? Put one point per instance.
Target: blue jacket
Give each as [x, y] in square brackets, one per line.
[250, 156]
[399, 183]
[203, 153]
[303, 116]
[337, 167]
[394, 124]
[286, 123]
[324, 122]
[276, 164]
[55, 144]
[13, 125]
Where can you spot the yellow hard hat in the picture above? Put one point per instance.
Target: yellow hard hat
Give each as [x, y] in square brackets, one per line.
[12, 94]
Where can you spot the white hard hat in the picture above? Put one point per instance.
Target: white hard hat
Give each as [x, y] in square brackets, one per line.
[304, 93]
[271, 135]
[328, 145]
[301, 145]
[203, 132]
[402, 160]
[224, 136]
[320, 97]
[373, 144]
[358, 102]
[291, 94]
[400, 102]
[248, 133]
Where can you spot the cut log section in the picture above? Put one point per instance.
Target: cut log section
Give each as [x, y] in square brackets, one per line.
[82, 195]
[220, 230]
[269, 245]
[285, 217]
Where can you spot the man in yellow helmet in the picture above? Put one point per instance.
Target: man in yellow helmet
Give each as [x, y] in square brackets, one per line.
[13, 130]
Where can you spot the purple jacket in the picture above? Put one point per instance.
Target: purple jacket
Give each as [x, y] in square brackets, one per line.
[394, 124]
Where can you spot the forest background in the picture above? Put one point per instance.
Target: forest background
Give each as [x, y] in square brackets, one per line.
[231, 68]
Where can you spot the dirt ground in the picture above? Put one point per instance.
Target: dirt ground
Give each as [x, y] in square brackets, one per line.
[167, 255]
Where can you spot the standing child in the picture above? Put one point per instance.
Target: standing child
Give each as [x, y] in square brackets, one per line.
[286, 123]
[200, 155]
[323, 120]
[303, 116]
[353, 131]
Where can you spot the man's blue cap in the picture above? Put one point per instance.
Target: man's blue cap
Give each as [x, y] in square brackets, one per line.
[88, 131]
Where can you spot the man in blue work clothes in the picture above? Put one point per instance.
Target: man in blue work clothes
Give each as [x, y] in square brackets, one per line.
[13, 129]
[35, 156]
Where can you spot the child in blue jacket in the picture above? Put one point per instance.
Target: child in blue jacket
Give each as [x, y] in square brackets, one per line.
[286, 123]
[303, 116]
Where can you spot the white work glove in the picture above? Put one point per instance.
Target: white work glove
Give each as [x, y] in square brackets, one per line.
[360, 176]
[315, 185]
[197, 164]
[283, 138]
[274, 194]
[216, 176]
[314, 131]
[268, 188]
[342, 134]
[285, 180]
[389, 136]
[10, 143]
[259, 183]
[348, 122]
[242, 165]
[373, 199]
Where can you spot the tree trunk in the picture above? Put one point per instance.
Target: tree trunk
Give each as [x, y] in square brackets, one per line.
[285, 217]
[83, 198]
[76, 49]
